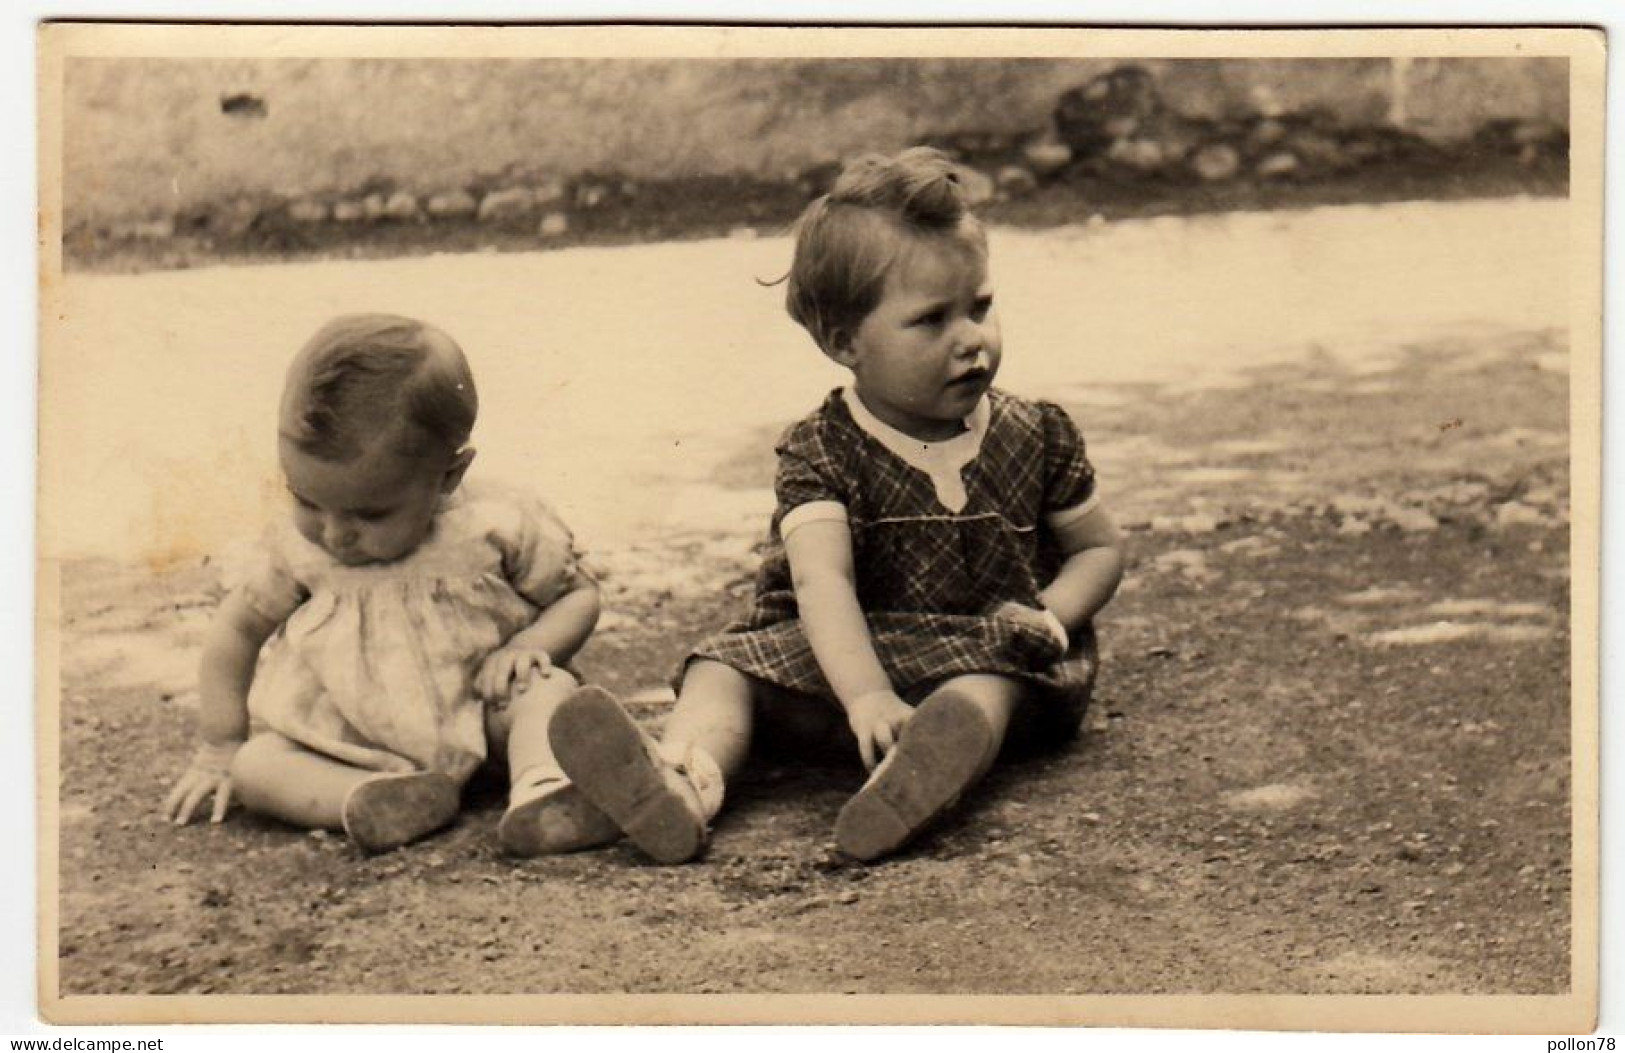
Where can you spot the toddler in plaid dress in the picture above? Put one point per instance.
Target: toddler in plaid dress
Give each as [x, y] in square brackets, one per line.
[933, 565]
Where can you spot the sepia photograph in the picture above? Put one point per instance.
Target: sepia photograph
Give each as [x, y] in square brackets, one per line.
[677, 524]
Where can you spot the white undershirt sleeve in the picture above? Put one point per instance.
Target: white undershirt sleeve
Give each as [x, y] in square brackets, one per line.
[1064, 518]
[811, 512]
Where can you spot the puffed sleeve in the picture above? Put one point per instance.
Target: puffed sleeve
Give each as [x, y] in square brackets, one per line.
[267, 579]
[1069, 478]
[806, 484]
[540, 558]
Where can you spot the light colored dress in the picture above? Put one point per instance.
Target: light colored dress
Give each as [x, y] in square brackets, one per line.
[374, 665]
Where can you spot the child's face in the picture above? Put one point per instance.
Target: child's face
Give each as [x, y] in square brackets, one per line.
[928, 352]
[373, 509]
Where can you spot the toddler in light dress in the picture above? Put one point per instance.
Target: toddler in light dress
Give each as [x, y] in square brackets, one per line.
[401, 625]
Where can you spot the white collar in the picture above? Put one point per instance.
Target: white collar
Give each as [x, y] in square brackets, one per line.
[943, 461]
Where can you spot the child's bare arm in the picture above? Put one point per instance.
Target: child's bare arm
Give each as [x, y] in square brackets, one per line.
[227, 670]
[1093, 568]
[820, 555]
[558, 632]
[564, 625]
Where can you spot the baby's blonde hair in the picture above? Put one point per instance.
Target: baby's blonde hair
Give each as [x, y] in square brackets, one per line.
[847, 240]
[364, 376]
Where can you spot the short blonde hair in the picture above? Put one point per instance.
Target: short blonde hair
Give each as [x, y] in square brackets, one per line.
[364, 376]
[847, 240]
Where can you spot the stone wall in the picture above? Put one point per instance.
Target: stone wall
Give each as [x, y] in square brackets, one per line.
[153, 138]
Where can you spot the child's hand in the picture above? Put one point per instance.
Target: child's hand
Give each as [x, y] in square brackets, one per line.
[509, 667]
[209, 773]
[877, 720]
[1042, 620]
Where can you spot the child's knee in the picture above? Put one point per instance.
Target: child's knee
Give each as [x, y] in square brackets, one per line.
[259, 753]
[544, 692]
[257, 763]
[708, 680]
[536, 699]
[997, 697]
[713, 697]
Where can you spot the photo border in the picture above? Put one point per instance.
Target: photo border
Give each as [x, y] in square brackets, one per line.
[1575, 1011]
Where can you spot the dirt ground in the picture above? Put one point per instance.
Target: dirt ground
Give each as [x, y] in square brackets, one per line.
[1330, 753]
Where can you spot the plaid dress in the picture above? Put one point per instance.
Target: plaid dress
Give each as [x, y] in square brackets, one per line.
[928, 576]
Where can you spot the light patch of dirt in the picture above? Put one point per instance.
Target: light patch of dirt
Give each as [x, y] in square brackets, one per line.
[1354, 972]
[1447, 631]
[1380, 596]
[1188, 562]
[1214, 475]
[1527, 438]
[1488, 609]
[1256, 547]
[1255, 447]
[128, 660]
[1276, 797]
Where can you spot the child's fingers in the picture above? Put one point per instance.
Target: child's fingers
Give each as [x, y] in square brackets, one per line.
[186, 804]
[885, 738]
[181, 801]
[494, 676]
[222, 801]
[530, 669]
[866, 750]
[532, 666]
[172, 803]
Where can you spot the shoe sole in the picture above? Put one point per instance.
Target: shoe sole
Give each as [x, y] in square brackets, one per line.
[579, 824]
[939, 753]
[385, 813]
[606, 755]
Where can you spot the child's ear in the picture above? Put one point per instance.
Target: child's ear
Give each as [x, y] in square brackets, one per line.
[840, 348]
[456, 469]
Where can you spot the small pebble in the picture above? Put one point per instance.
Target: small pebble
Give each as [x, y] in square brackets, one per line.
[553, 225]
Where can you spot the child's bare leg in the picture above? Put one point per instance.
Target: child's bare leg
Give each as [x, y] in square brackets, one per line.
[714, 713]
[546, 812]
[949, 743]
[522, 733]
[278, 777]
[996, 698]
[662, 795]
